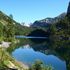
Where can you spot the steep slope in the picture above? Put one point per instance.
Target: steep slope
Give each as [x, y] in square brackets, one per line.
[68, 11]
[6, 27]
[5, 19]
[18, 28]
[22, 30]
[47, 21]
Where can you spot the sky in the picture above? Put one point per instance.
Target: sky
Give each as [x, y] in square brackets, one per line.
[29, 11]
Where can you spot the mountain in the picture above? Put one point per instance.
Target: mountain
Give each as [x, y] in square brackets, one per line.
[6, 28]
[47, 21]
[68, 11]
[19, 29]
[4, 19]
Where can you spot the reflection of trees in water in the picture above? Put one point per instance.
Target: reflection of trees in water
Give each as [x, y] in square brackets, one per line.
[38, 40]
[62, 52]
[65, 54]
[35, 44]
[44, 47]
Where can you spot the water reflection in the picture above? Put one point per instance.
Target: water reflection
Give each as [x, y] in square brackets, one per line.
[27, 55]
[29, 50]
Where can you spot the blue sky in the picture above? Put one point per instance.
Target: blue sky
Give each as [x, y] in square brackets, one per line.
[30, 10]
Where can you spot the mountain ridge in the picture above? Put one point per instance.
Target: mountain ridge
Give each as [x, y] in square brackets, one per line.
[48, 21]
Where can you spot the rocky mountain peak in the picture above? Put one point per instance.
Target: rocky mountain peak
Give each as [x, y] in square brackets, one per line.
[68, 11]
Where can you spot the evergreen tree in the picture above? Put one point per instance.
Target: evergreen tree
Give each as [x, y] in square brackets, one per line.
[1, 31]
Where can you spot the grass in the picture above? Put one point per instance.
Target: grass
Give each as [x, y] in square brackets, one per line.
[5, 58]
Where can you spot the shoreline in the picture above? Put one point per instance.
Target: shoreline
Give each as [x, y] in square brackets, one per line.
[12, 61]
[5, 44]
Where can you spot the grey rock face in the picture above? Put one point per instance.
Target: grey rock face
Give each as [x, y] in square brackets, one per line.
[68, 11]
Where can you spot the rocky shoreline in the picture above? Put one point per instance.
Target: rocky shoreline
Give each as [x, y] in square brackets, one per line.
[14, 64]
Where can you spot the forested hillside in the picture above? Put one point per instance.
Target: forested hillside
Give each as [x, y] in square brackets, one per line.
[58, 33]
[6, 27]
[9, 28]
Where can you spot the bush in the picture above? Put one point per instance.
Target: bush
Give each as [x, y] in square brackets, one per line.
[38, 65]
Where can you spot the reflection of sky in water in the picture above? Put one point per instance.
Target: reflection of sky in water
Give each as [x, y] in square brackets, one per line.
[28, 56]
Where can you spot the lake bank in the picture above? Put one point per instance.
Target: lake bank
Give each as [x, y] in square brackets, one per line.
[10, 62]
[5, 44]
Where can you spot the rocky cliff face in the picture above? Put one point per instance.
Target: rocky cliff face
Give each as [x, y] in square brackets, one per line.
[68, 11]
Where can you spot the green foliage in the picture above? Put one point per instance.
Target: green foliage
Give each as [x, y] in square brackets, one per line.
[22, 30]
[1, 31]
[52, 29]
[59, 38]
[3, 67]
[38, 65]
[7, 31]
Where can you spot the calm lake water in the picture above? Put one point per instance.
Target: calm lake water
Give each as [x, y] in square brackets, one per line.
[28, 51]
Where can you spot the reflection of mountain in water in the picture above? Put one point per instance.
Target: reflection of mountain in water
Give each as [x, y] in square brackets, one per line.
[28, 56]
[34, 43]
[41, 47]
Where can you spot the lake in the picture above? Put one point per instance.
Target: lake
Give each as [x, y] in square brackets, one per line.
[30, 50]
